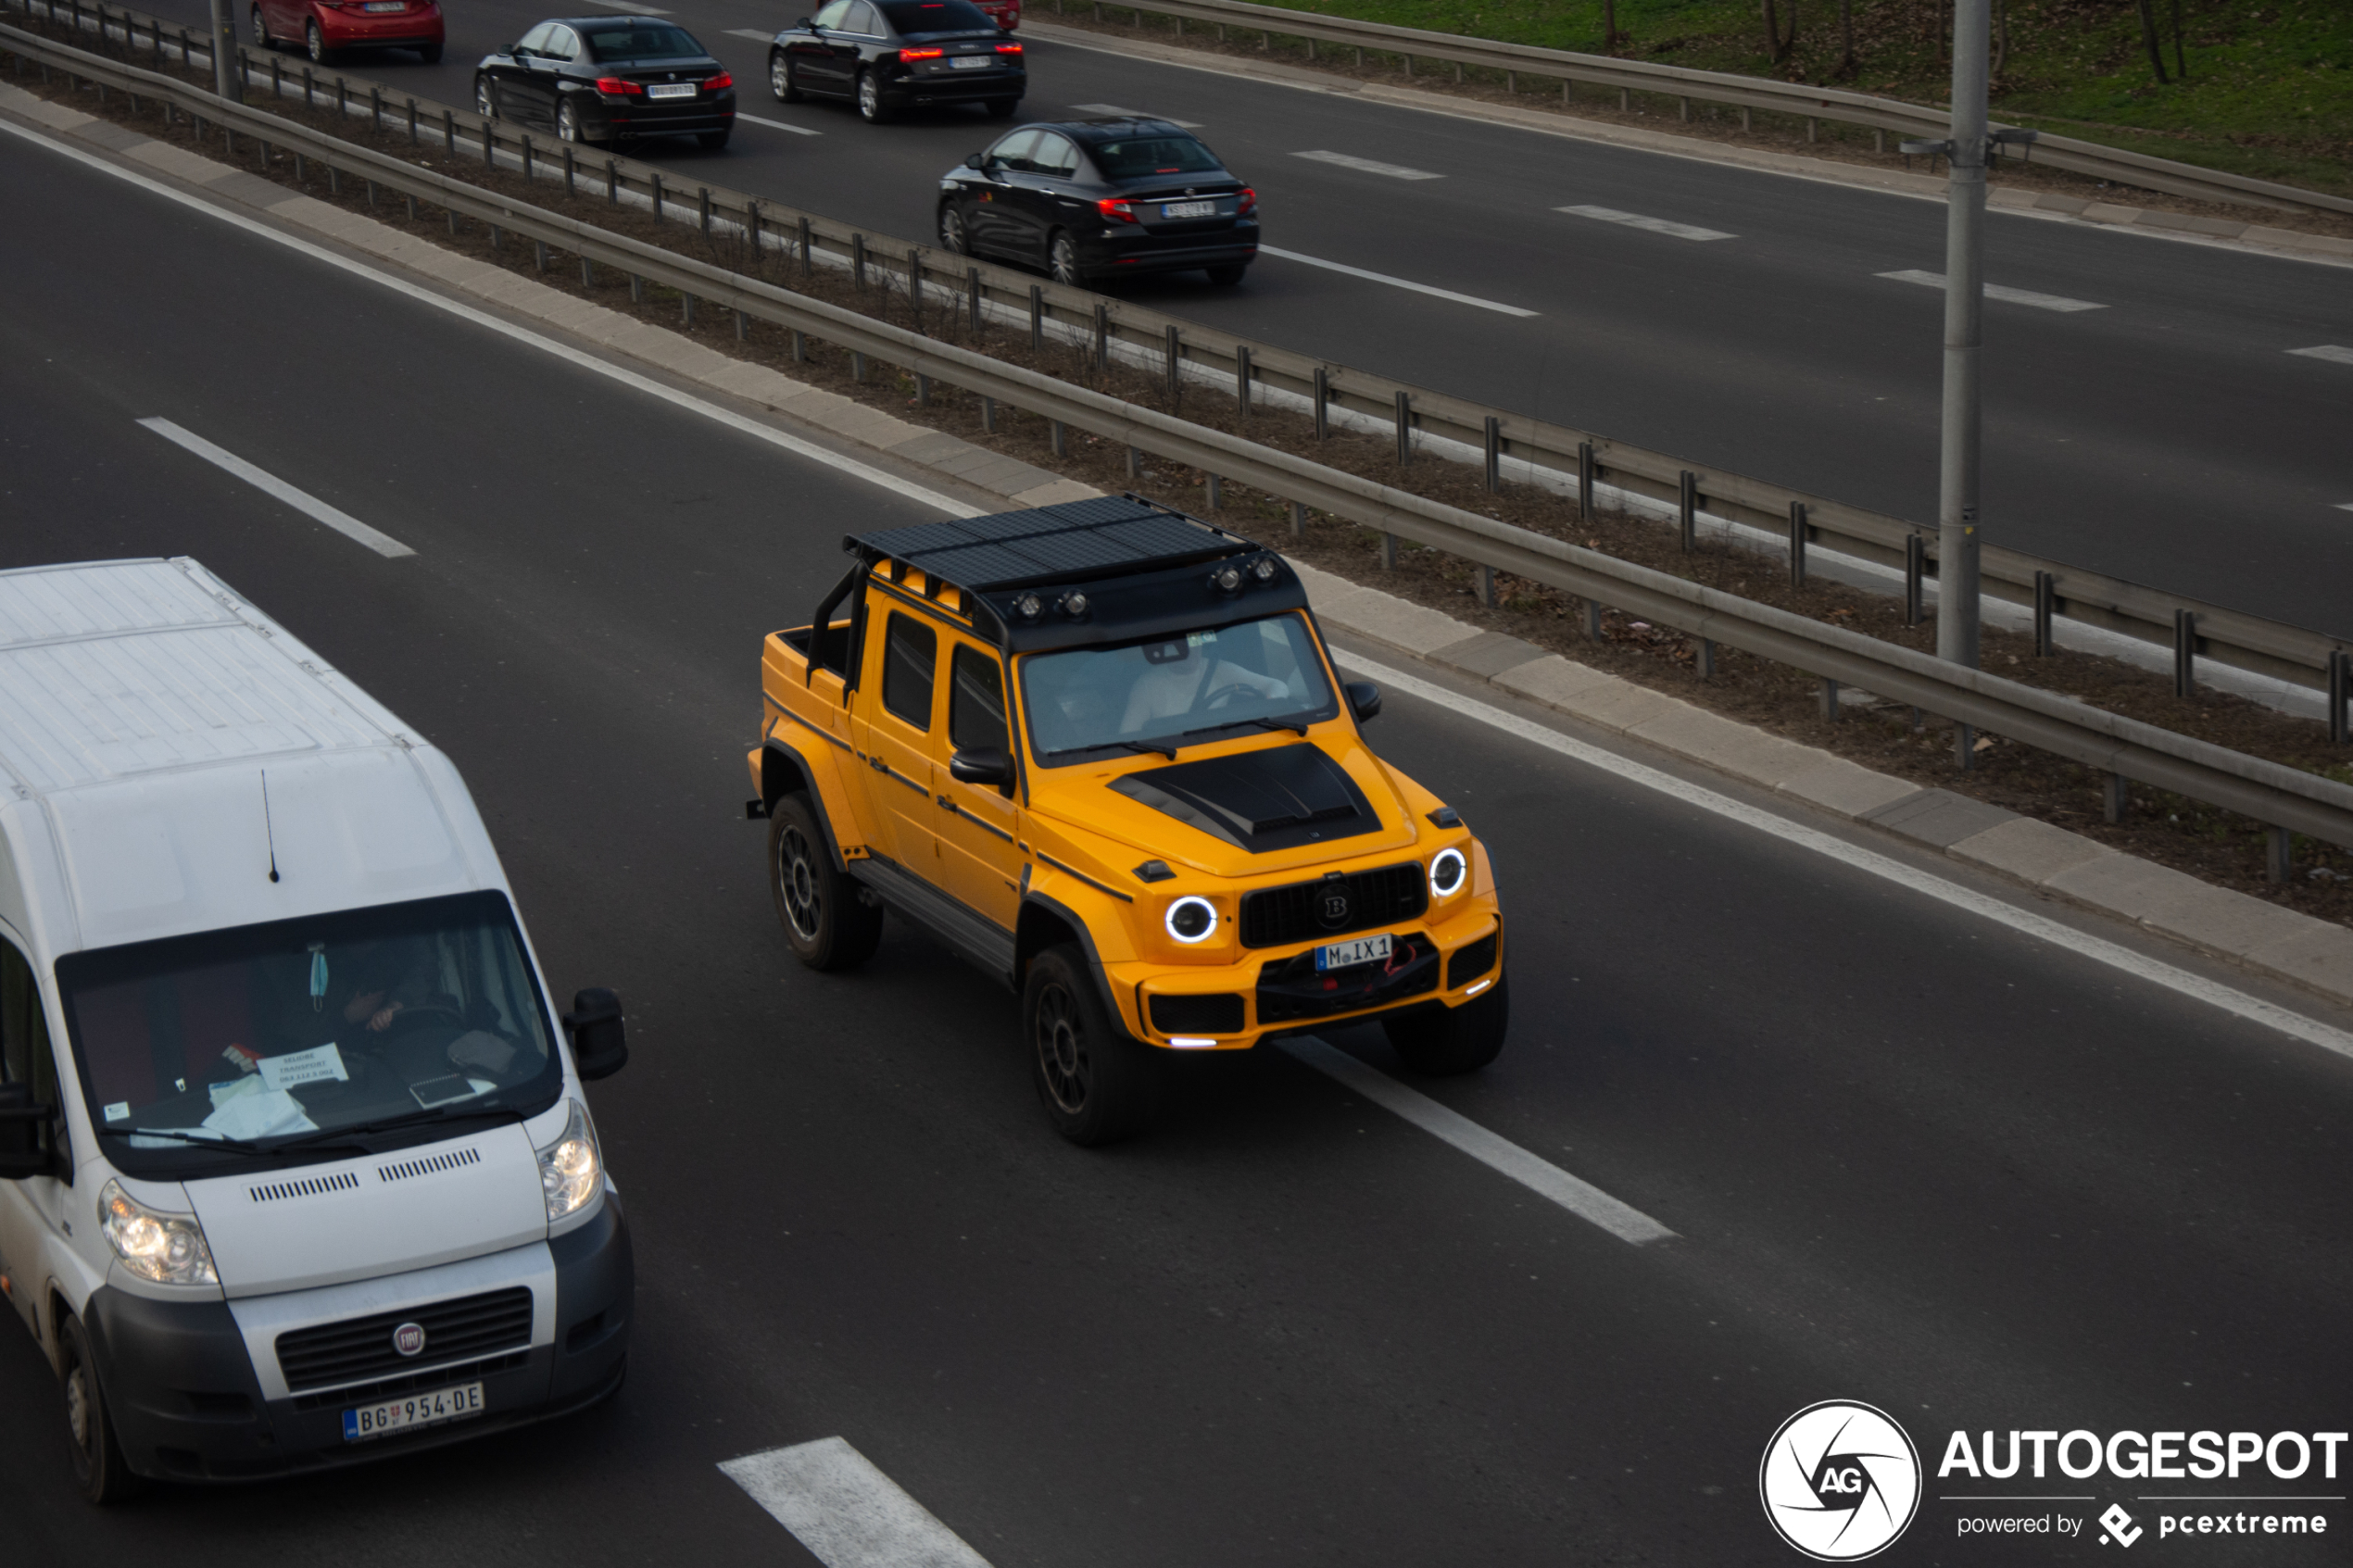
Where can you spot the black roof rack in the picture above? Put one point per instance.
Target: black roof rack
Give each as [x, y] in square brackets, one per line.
[1074, 540]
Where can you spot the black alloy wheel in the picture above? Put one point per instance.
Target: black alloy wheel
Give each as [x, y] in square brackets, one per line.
[485, 95]
[1062, 261]
[781, 80]
[1441, 1042]
[567, 123]
[314, 43]
[953, 237]
[870, 107]
[831, 921]
[1097, 1084]
[99, 1468]
[261, 39]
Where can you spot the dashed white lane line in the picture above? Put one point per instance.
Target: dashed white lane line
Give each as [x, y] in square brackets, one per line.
[269, 483]
[1653, 225]
[1995, 290]
[1394, 282]
[752, 34]
[1499, 1154]
[1113, 111]
[846, 1512]
[1367, 166]
[635, 10]
[2230, 999]
[778, 125]
[2326, 351]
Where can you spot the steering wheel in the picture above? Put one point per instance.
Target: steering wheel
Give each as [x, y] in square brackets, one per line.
[1230, 690]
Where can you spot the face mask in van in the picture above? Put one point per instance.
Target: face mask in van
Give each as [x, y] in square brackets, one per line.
[318, 975]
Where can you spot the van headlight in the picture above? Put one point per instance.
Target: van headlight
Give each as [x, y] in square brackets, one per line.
[165, 1249]
[571, 1169]
[1448, 871]
[1192, 919]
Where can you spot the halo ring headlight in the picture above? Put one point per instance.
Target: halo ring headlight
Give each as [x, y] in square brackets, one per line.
[1448, 872]
[1191, 919]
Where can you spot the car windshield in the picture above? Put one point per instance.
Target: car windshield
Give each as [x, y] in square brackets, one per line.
[1132, 157]
[1168, 692]
[641, 41]
[923, 19]
[263, 1035]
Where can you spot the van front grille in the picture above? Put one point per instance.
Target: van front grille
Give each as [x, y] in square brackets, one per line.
[359, 1348]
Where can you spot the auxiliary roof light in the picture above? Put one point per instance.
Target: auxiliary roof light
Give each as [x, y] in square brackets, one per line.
[1227, 579]
[1074, 606]
[1264, 568]
[1029, 607]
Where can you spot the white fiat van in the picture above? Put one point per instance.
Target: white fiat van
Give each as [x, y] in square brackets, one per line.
[294, 1168]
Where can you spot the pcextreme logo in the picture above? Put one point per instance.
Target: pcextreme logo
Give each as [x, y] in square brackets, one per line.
[1840, 1481]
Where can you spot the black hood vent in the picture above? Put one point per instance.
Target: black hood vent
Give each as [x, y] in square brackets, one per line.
[1277, 798]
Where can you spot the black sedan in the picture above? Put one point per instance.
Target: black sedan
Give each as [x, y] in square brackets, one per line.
[1102, 199]
[599, 79]
[886, 56]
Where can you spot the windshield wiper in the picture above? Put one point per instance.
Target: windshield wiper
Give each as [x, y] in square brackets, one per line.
[187, 1135]
[390, 1124]
[1292, 722]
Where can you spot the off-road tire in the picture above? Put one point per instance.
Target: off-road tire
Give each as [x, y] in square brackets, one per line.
[830, 921]
[99, 1469]
[1096, 1083]
[1441, 1042]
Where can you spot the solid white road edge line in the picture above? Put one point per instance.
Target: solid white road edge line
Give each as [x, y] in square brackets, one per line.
[846, 1512]
[1394, 282]
[1996, 291]
[586, 362]
[270, 485]
[1498, 1153]
[1370, 166]
[778, 124]
[2230, 999]
[2326, 351]
[1115, 111]
[1653, 225]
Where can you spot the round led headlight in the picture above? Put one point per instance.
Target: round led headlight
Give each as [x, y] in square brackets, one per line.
[1227, 579]
[1266, 569]
[1192, 919]
[1446, 871]
[1029, 607]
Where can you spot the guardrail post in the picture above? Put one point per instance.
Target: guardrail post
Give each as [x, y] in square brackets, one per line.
[309, 87]
[1494, 453]
[987, 411]
[1055, 438]
[800, 350]
[858, 371]
[1915, 574]
[972, 300]
[915, 287]
[2185, 652]
[1625, 100]
[375, 109]
[1687, 508]
[752, 234]
[2279, 854]
[1102, 336]
[539, 256]
[587, 273]
[807, 255]
[1405, 429]
[1242, 379]
[1323, 397]
[2116, 797]
[636, 289]
[2046, 601]
[1584, 480]
[1038, 316]
[450, 211]
[922, 386]
[1299, 520]
[1388, 552]
[653, 181]
[495, 235]
[1829, 699]
[489, 153]
[1965, 748]
[412, 112]
[703, 208]
[1486, 586]
[342, 99]
[1211, 492]
[1135, 462]
[743, 334]
[408, 198]
[1683, 107]
[1592, 620]
[858, 259]
[572, 187]
[525, 140]
[2340, 679]
[1704, 659]
[449, 130]
[1175, 355]
[277, 77]
[1797, 544]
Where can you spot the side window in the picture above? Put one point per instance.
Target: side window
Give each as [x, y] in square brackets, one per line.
[24, 1035]
[563, 44]
[1055, 155]
[834, 16]
[909, 655]
[862, 20]
[976, 701]
[535, 41]
[1014, 150]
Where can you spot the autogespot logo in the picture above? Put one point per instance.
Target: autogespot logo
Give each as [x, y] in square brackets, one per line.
[1840, 1481]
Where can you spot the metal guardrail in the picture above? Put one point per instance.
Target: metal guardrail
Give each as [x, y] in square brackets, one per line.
[1687, 85]
[1570, 460]
[2268, 792]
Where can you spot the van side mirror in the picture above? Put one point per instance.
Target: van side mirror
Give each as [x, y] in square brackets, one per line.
[1363, 700]
[991, 769]
[21, 1154]
[600, 1049]
[976, 160]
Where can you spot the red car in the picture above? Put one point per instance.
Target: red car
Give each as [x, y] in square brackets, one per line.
[1004, 13]
[322, 27]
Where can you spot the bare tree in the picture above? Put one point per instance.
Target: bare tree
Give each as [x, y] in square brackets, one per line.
[1777, 44]
[1609, 27]
[2001, 37]
[2149, 36]
[1846, 37]
[2181, 60]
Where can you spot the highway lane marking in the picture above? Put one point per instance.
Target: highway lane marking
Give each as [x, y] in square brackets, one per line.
[269, 483]
[845, 1511]
[1367, 166]
[778, 125]
[1496, 1152]
[1995, 290]
[1116, 112]
[632, 9]
[1653, 225]
[2326, 351]
[1394, 282]
[755, 37]
[586, 362]
[2227, 998]
[2345, 506]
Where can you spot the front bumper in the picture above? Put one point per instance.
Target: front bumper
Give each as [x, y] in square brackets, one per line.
[188, 1404]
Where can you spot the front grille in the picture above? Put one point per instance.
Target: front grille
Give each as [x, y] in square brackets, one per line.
[1219, 1014]
[358, 1347]
[1384, 896]
[1473, 960]
[415, 1382]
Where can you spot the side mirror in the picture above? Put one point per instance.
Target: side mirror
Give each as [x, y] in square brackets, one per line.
[21, 1154]
[976, 160]
[1363, 700]
[600, 1049]
[992, 769]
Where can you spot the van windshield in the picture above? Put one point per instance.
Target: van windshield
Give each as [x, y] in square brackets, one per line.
[200, 1053]
[1174, 691]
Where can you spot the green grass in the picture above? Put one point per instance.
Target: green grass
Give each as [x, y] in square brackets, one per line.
[2268, 91]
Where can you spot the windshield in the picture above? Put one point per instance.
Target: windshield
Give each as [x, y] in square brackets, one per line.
[921, 19]
[642, 40]
[1169, 692]
[1132, 157]
[267, 1034]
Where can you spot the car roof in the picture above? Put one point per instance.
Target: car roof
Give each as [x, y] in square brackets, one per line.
[1104, 128]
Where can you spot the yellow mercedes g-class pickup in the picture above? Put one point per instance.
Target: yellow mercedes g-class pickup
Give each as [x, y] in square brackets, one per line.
[1100, 750]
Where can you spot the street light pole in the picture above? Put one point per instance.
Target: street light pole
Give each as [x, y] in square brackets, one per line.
[1957, 488]
[224, 53]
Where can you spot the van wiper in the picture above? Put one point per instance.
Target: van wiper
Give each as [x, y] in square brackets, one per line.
[389, 1124]
[186, 1135]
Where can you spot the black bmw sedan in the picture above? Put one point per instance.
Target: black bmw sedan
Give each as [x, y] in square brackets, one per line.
[599, 79]
[886, 56]
[1099, 200]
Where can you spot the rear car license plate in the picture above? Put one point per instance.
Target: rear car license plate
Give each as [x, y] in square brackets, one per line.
[1189, 209]
[670, 90]
[971, 62]
[417, 1409]
[1361, 949]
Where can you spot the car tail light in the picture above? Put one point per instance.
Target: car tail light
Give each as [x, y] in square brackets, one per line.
[921, 54]
[614, 87]
[1009, 48]
[1246, 204]
[1115, 210]
[719, 84]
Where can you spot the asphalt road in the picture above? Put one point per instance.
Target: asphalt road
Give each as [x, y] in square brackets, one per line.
[1910, 1156]
[2168, 437]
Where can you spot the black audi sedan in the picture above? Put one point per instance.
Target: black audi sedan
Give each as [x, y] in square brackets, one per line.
[1102, 199]
[886, 56]
[599, 79]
